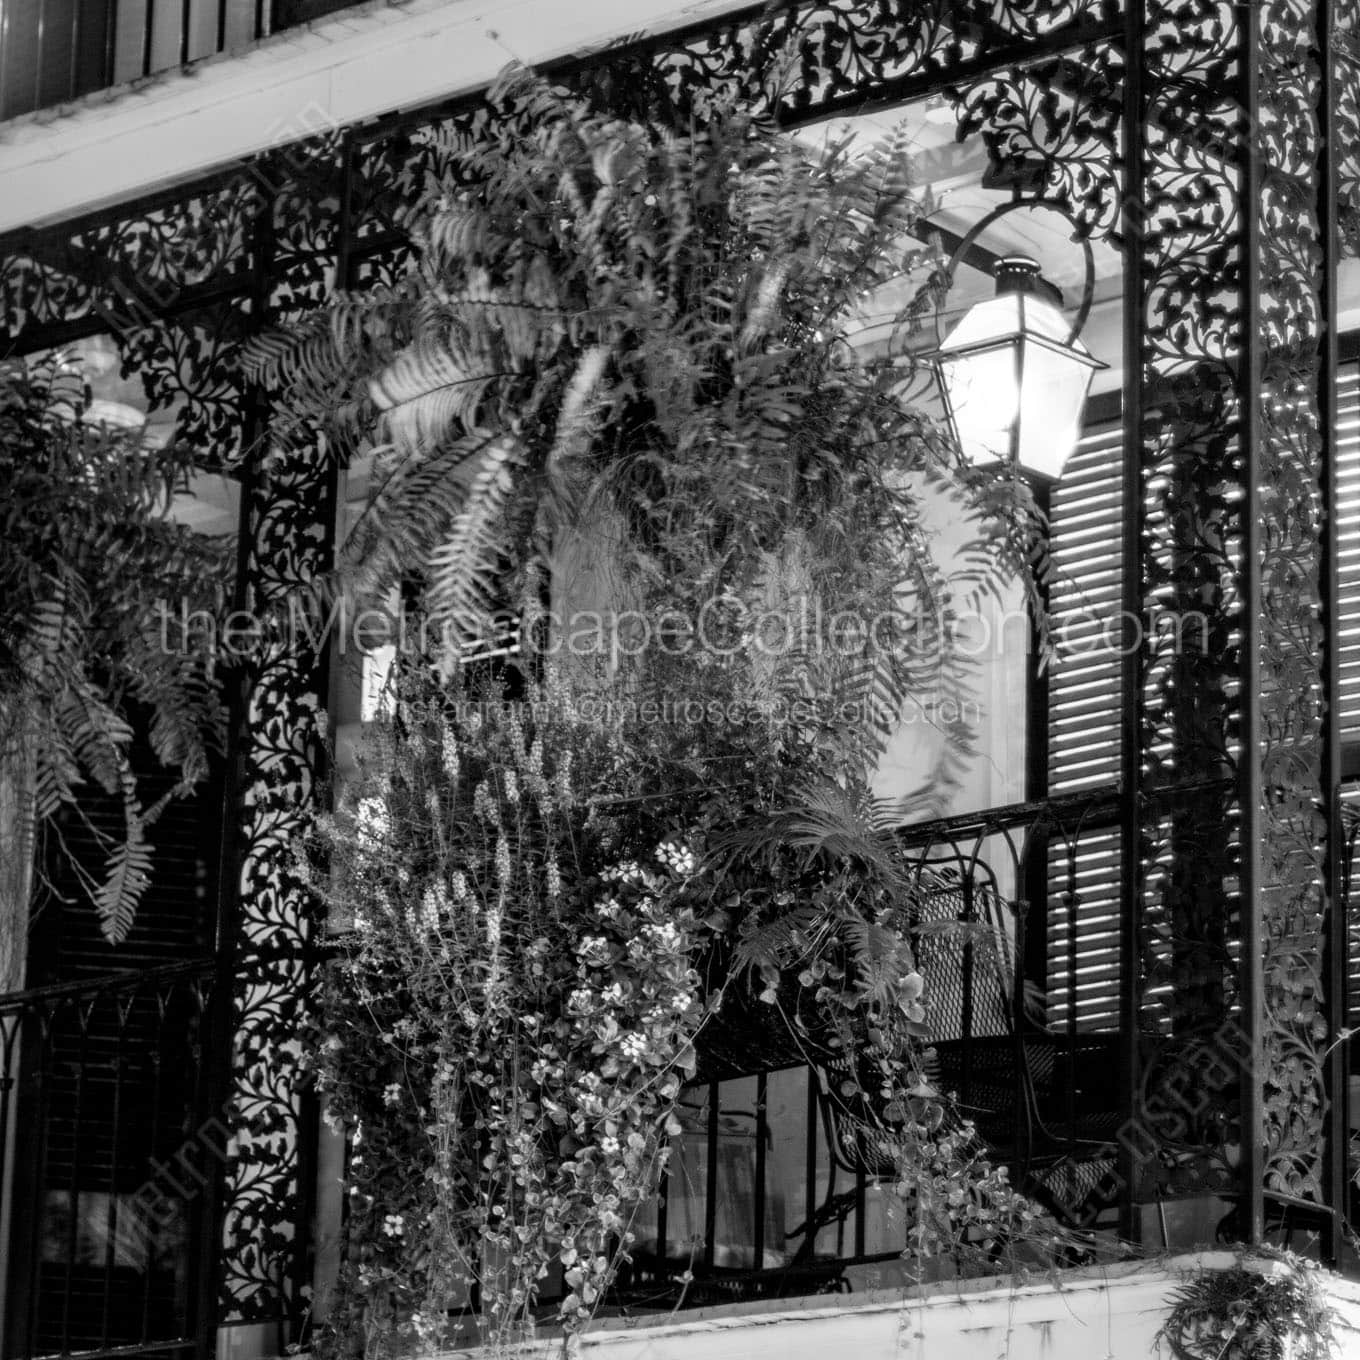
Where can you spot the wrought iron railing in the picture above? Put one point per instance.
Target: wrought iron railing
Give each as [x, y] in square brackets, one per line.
[109, 1159]
[52, 51]
[767, 1194]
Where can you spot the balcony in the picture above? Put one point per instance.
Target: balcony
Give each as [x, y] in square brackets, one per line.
[53, 51]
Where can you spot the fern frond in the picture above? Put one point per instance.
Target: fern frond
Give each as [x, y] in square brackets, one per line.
[56, 774]
[463, 569]
[418, 497]
[431, 389]
[776, 941]
[125, 883]
[96, 735]
[581, 407]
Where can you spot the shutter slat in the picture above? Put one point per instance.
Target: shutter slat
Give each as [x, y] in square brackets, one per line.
[1084, 689]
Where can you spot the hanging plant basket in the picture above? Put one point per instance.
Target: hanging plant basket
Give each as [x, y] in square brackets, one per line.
[1271, 1309]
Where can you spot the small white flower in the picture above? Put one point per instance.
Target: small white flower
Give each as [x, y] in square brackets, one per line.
[371, 819]
[680, 858]
[394, 1225]
[391, 1093]
[435, 903]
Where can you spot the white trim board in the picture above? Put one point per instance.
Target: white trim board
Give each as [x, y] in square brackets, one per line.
[119, 144]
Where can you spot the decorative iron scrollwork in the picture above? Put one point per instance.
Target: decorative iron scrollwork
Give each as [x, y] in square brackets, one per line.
[181, 282]
[1296, 1030]
[1051, 129]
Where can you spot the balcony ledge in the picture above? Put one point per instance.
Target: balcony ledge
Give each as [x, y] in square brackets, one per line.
[1095, 1313]
[118, 144]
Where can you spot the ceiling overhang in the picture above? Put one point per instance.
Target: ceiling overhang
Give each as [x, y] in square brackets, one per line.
[120, 144]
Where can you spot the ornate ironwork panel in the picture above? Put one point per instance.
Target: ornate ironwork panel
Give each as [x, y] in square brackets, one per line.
[1187, 235]
[178, 286]
[1346, 77]
[287, 523]
[1224, 275]
[803, 61]
[289, 544]
[1231, 926]
[1051, 130]
[1296, 1030]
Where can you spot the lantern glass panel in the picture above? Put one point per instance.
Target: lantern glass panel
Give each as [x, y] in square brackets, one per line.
[1013, 384]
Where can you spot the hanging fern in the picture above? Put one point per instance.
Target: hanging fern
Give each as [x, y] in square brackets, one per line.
[463, 589]
[655, 329]
[88, 552]
[1270, 1308]
[621, 372]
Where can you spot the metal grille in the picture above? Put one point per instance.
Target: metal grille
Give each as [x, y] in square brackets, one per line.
[110, 1159]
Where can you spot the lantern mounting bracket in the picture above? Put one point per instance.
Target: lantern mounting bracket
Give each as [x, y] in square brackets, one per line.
[1088, 286]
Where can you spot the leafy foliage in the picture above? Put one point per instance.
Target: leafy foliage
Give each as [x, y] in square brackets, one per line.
[1249, 1312]
[621, 375]
[508, 1032]
[543, 945]
[610, 323]
[88, 552]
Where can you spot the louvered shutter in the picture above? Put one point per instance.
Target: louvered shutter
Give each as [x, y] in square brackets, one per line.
[1346, 454]
[1346, 470]
[1082, 981]
[1083, 897]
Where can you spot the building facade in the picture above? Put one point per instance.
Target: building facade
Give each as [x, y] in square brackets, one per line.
[1169, 820]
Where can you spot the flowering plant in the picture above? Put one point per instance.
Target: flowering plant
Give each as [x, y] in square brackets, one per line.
[622, 373]
[513, 1016]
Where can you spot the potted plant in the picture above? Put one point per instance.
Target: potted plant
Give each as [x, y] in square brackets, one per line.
[1262, 1308]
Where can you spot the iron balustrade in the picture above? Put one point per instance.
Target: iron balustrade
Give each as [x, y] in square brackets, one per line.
[110, 1143]
[109, 1159]
[52, 51]
[772, 1187]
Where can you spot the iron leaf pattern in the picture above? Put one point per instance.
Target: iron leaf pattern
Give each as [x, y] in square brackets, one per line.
[181, 282]
[1295, 1030]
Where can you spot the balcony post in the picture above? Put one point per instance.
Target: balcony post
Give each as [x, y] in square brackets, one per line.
[1226, 838]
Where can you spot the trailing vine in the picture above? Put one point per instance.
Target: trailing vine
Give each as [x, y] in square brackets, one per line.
[543, 943]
